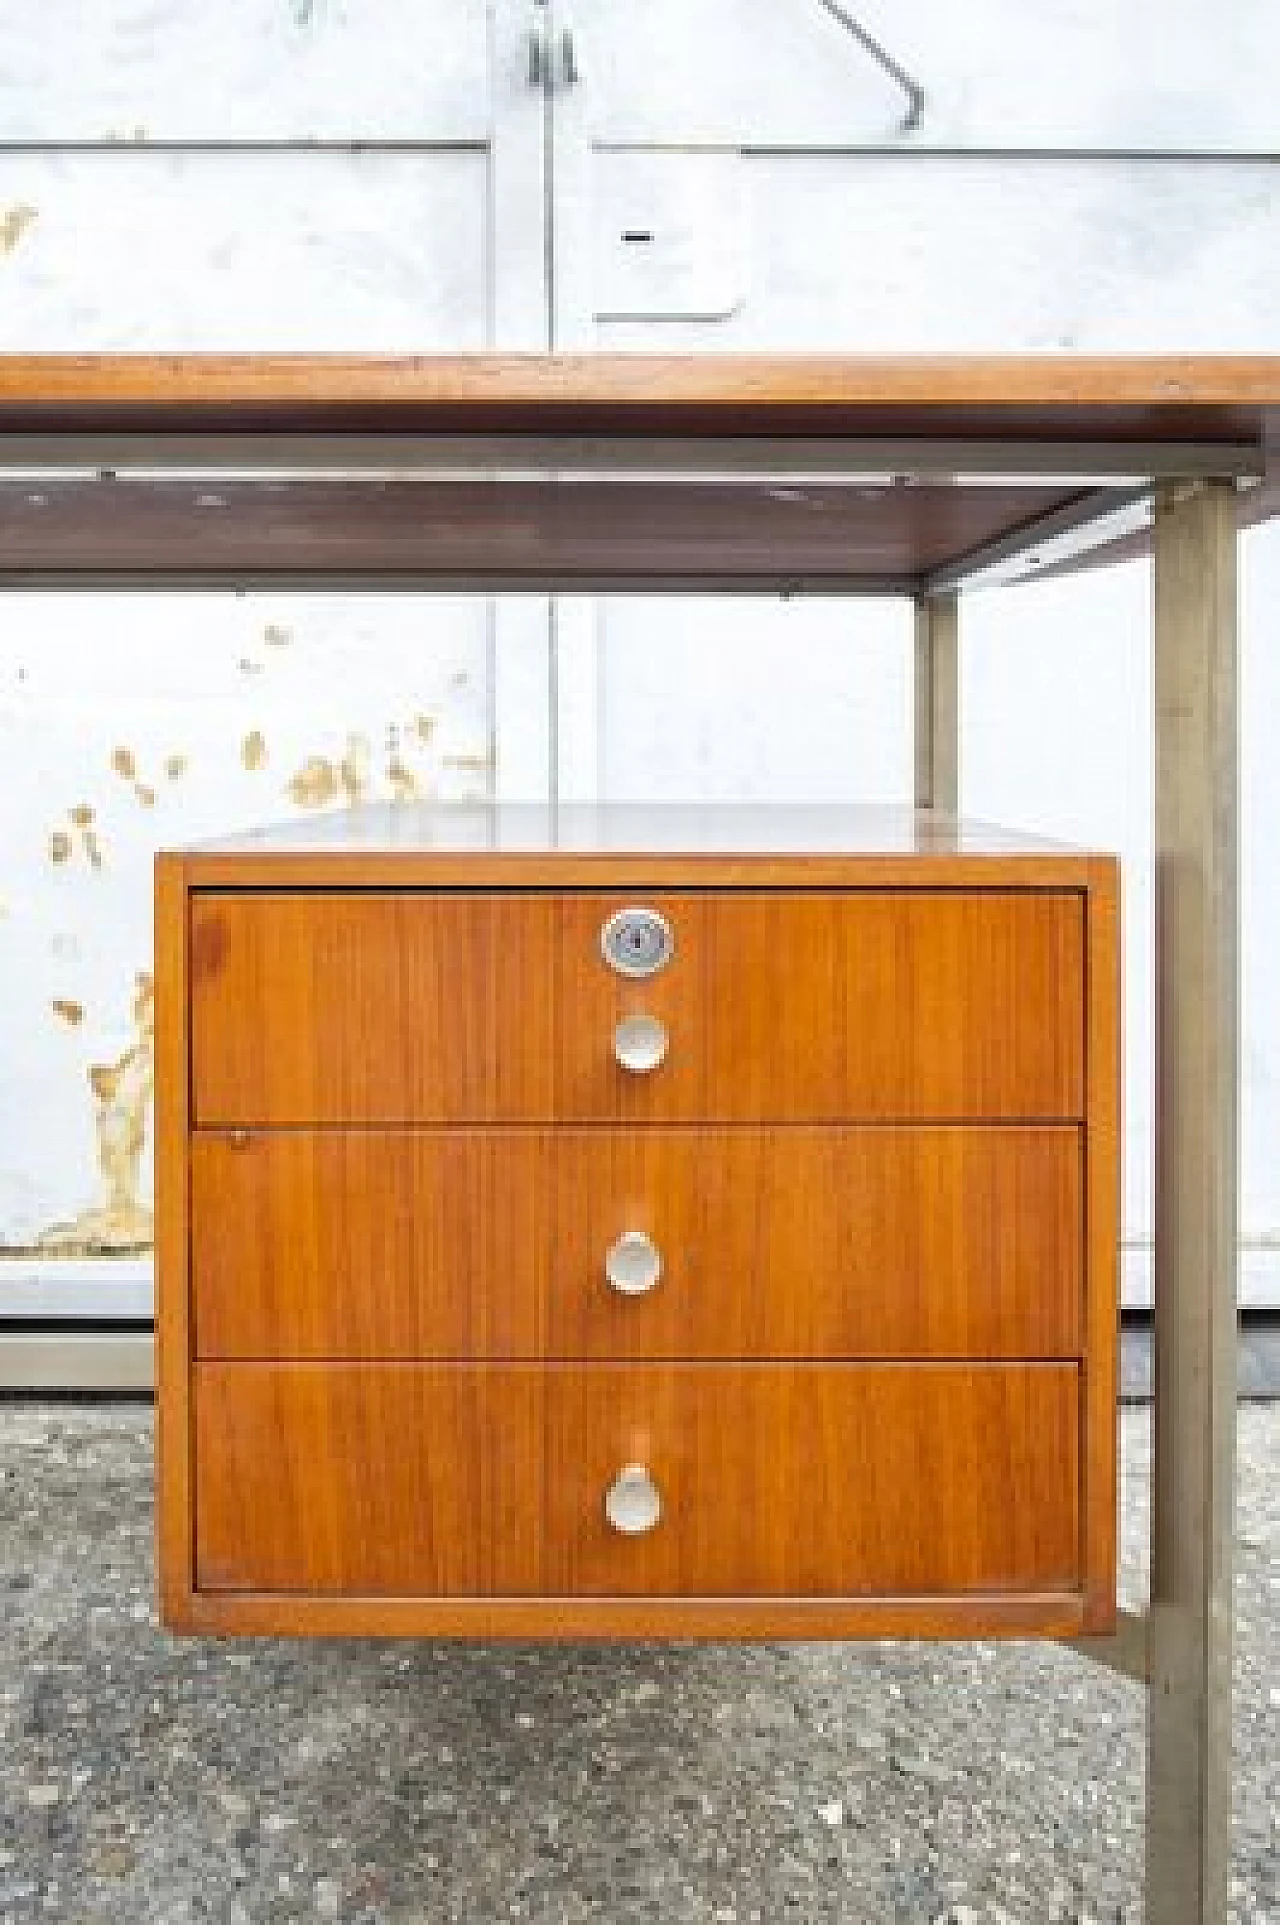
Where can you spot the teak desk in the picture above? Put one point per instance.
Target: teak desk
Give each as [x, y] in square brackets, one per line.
[915, 477]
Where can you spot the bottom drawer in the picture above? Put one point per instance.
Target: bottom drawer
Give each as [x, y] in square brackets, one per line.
[771, 1480]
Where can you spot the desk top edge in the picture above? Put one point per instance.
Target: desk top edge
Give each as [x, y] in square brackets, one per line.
[750, 392]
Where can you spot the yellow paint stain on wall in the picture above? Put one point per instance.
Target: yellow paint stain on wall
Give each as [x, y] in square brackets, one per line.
[253, 750]
[315, 783]
[62, 845]
[354, 768]
[320, 780]
[477, 763]
[277, 636]
[405, 785]
[175, 767]
[125, 764]
[14, 223]
[70, 1011]
[122, 1095]
[425, 726]
[83, 817]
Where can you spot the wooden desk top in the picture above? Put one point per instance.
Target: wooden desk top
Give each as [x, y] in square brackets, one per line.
[609, 472]
[1224, 398]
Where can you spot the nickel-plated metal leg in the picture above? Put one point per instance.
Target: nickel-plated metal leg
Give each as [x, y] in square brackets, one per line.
[1197, 1054]
[937, 703]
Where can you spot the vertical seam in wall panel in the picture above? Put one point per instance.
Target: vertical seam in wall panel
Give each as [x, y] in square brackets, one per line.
[553, 700]
[549, 238]
[601, 707]
[491, 185]
[548, 193]
[491, 328]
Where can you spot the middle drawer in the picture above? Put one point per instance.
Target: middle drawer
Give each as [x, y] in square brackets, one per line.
[802, 1241]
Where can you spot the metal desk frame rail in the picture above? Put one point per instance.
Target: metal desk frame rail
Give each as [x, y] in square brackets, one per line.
[763, 476]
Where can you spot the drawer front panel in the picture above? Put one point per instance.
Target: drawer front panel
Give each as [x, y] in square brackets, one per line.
[802, 1480]
[793, 1242]
[321, 1007]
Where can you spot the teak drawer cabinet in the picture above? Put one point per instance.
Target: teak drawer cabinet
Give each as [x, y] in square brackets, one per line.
[664, 1223]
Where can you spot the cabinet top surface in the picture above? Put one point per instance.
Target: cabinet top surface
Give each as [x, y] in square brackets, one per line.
[636, 828]
[470, 843]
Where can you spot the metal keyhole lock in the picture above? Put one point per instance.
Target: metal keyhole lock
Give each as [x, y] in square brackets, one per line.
[637, 942]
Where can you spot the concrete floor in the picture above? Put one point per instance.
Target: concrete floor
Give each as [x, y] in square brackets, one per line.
[144, 1779]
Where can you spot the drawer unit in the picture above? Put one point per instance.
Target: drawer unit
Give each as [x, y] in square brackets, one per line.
[559, 1238]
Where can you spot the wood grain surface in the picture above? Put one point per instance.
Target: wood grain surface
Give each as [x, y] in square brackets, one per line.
[797, 1242]
[324, 1008]
[950, 1615]
[775, 1480]
[1005, 396]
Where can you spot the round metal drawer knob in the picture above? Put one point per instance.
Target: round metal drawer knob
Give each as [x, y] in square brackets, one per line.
[632, 1503]
[637, 942]
[640, 1044]
[633, 1264]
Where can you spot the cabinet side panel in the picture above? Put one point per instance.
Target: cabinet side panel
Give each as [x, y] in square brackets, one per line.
[174, 1464]
[1102, 1236]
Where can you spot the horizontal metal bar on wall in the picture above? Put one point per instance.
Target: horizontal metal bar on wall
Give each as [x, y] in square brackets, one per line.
[320, 145]
[84, 1360]
[81, 1289]
[1257, 1360]
[903, 149]
[917, 149]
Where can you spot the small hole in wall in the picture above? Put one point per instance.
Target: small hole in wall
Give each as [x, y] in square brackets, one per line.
[637, 235]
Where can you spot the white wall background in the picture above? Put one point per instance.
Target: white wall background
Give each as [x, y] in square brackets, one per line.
[316, 174]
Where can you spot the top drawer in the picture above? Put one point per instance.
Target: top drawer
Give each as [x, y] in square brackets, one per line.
[909, 1005]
